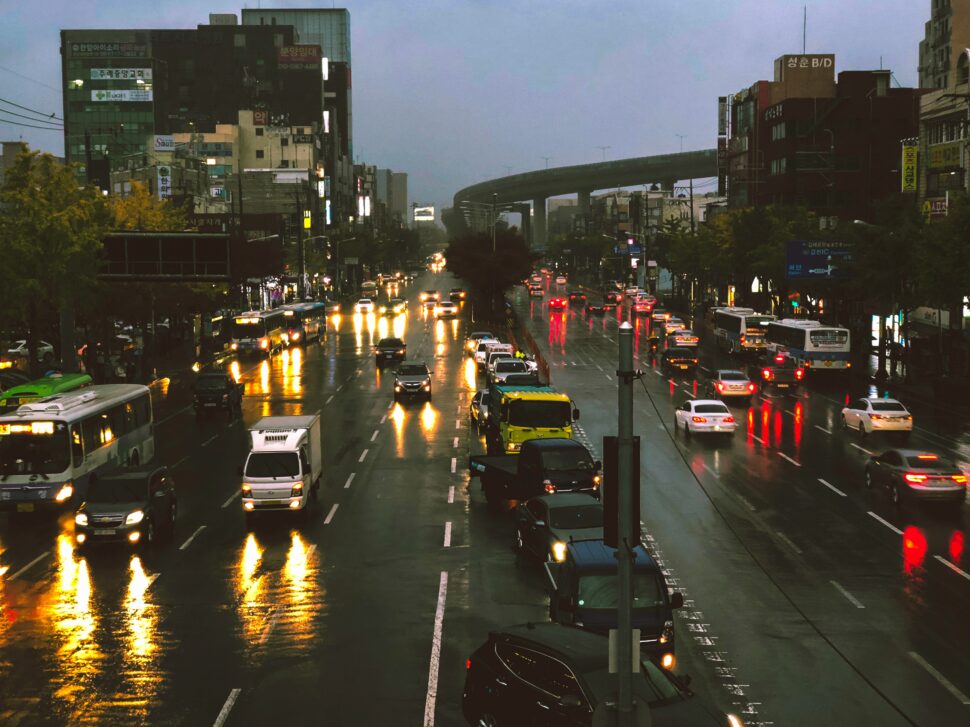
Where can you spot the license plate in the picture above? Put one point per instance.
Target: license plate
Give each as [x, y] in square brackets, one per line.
[782, 386]
[683, 366]
[209, 403]
[25, 507]
[717, 427]
[104, 531]
[388, 355]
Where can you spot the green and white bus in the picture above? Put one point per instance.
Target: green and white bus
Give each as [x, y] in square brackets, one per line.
[41, 388]
[52, 448]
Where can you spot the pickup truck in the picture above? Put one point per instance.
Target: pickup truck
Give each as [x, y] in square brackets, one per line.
[781, 372]
[518, 413]
[542, 466]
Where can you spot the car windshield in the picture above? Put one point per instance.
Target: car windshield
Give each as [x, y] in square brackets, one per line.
[893, 406]
[599, 590]
[576, 517]
[710, 409]
[364, 301]
[566, 459]
[211, 382]
[43, 451]
[733, 376]
[929, 462]
[390, 343]
[128, 489]
[549, 414]
[273, 464]
[511, 365]
[412, 370]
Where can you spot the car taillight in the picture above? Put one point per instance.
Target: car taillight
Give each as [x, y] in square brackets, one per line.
[548, 486]
[959, 479]
[799, 374]
[695, 360]
[875, 416]
[728, 420]
[468, 664]
[720, 386]
[779, 359]
[742, 339]
[766, 373]
[914, 479]
[751, 387]
[698, 420]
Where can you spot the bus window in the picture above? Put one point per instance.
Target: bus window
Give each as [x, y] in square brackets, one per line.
[77, 450]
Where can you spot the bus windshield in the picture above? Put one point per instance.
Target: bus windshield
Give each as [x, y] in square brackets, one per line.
[550, 414]
[37, 452]
[248, 327]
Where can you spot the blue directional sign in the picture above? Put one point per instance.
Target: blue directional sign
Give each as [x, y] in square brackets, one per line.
[816, 259]
[634, 249]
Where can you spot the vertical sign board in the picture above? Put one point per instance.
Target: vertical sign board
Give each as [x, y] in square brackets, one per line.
[163, 181]
[722, 115]
[609, 495]
[909, 167]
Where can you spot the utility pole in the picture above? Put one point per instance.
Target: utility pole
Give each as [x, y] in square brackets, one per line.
[603, 149]
[693, 230]
[494, 202]
[300, 287]
[681, 137]
[624, 556]
[546, 160]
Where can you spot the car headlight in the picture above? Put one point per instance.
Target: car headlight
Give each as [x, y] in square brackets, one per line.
[668, 632]
[81, 518]
[735, 721]
[135, 517]
[426, 386]
[234, 346]
[397, 387]
[559, 551]
[63, 494]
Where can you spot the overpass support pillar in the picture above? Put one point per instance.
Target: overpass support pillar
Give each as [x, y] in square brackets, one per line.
[539, 222]
[582, 201]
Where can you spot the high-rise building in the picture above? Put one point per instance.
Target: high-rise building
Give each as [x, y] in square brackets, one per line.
[941, 47]
[8, 153]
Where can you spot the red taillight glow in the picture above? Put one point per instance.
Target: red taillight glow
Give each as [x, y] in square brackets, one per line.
[699, 420]
[799, 374]
[767, 374]
[548, 486]
[914, 479]
[751, 387]
[720, 386]
[728, 420]
[779, 359]
[742, 339]
[468, 664]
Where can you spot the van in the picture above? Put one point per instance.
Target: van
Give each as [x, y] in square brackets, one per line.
[283, 469]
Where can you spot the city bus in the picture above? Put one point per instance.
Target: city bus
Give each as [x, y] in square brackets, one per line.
[51, 449]
[739, 330]
[41, 388]
[257, 331]
[368, 289]
[304, 322]
[811, 344]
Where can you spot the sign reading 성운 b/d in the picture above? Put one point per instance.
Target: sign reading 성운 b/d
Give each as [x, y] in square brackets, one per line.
[816, 258]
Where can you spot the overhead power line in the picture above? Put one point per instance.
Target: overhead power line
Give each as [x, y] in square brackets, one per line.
[31, 118]
[33, 111]
[31, 126]
[28, 78]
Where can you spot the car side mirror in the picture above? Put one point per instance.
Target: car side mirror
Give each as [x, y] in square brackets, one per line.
[540, 523]
[575, 415]
[570, 700]
[677, 600]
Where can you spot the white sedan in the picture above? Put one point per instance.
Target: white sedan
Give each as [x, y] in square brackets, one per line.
[869, 414]
[704, 415]
[364, 305]
[45, 351]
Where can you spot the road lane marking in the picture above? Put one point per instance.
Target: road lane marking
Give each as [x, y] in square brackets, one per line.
[340, 387]
[819, 426]
[599, 367]
[849, 597]
[747, 502]
[944, 682]
[608, 377]
[391, 405]
[192, 537]
[457, 423]
[362, 455]
[952, 567]
[349, 480]
[789, 411]
[274, 617]
[454, 464]
[451, 495]
[228, 502]
[861, 449]
[333, 511]
[172, 415]
[832, 487]
[383, 418]
[439, 618]
[329, 399]
[448, 534]
[712, 470]
[786, 457]
[455, 443]
[756, 438]
[226, 708]
[180, 462]
[887, 524]
[788, 541]
[209, 441]
[27, 567]
[374, 435]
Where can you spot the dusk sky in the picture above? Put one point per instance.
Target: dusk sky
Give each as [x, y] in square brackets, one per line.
[457, 91]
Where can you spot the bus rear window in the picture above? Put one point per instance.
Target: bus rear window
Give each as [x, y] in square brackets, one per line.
[829, 337]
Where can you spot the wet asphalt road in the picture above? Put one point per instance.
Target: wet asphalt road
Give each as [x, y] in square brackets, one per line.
[807, 602]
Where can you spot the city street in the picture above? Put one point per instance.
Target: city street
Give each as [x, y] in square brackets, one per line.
[808, 597]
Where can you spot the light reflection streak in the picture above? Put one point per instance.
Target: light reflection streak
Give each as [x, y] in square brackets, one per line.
[264, 377]
[400, 325]
[471, 374]
[251, 587]
[429, 418]
[454, 329]
[141, 619]
[235, 371]
[382, 327]
[439, 331]
[397, 419]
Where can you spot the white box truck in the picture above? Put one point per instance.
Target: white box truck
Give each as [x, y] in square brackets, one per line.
[282, 472]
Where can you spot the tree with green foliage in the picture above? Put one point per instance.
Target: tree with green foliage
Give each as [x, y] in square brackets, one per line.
[490, 273]
[50, 236]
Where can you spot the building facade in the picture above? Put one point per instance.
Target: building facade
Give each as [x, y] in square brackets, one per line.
[943, 42]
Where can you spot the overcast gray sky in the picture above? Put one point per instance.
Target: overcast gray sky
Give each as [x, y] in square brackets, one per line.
[455, 91]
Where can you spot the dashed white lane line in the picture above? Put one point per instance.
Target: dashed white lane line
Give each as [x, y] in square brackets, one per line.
[712, 470]
[861, 449]
[27, 567]
[747, 502]
[439, 618]
[848, 596]
[274, 617]
[340, 387]
[228, 502]
[788, 541]
[454, 464]
[955, 569]
[756, 438]
[226, 708]
[180, 462]
[362, 455]
[658, 372]
[610, 378]
[455, 443]
[599, 367]
[820, 427]
[374, 435]
[944, 682]
[886, 523]
[793, 461]
[333, 511]
[448, 534]
[451, 495]
[391, 405]
[457, 423]
[209, 441]
[329, 399]
[383, 418]
[350, 479]
[832, 487]
[192, 537]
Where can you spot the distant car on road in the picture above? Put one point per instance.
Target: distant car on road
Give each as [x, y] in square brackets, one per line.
[577, 296]
[544, 524]
[479, 410]
[557, 303]
[427, 295]
[779, 371]
[412, 379]
[536, 291]
[561, 280]
[704, 415]
[673, 324]
[870, 414]
[505, 367]
[614, 297]
[446, 309]
[679, 359]
[659, 315]
[364, 305]
[457, 295]
[918, 474]
[684, 337]
[476, 337]
[216, 390]
[131, 507]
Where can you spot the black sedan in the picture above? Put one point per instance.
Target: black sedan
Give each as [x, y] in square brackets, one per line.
[215, 390]
[549, 674]
[390, 350]
[679, 359]
[918, 474]
[544, 524]
[133, 507]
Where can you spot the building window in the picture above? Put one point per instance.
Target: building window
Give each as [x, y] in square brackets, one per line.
[259, 131]
[260, 153]
[778, 166]
[284, 141]
[239, 40]
[778, 131]
[963, 68]
[284, 164]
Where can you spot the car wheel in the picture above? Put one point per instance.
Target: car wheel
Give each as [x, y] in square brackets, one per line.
[687, 430]
[868, 480]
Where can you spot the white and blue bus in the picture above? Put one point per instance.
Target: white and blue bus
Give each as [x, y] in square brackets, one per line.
[304, 322]
[51, 448]
[740, 330]
[257, 331]
[813, 345]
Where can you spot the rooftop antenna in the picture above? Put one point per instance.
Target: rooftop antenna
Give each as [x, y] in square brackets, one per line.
[804, 26]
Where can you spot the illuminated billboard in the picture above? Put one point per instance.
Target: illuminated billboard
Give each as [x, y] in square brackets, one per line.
[424, 214]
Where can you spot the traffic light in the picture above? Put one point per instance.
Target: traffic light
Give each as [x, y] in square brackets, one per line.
[610, 491]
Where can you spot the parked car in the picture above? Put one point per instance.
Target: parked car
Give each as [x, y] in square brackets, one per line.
[479, 410]
[919, 474]
[134, 506]
[18, 349]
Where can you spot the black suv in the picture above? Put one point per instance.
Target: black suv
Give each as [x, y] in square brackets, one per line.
[548, 674]
[390, 349]
[133, 506]
[216, 390]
